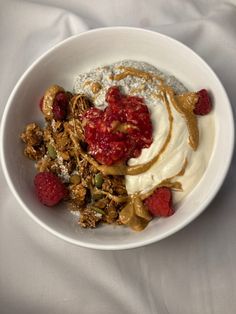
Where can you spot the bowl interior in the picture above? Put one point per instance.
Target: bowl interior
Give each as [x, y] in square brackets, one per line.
[60, 66]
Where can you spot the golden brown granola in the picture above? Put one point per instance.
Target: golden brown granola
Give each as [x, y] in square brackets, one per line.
[89, 218]
[33, 135]
[97, 197]
[33, 138]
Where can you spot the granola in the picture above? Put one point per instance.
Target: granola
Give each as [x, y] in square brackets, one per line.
[53, 150]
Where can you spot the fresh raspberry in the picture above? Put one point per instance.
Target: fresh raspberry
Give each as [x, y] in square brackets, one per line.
[120, 131]
[160, 202]
[60, 106]
[49, 188]
[204, 105]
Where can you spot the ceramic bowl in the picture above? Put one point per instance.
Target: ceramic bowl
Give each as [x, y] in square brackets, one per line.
[81, 53]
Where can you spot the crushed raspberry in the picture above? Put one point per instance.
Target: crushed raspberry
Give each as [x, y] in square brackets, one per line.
[60, 106]
[160, 202]
[120, 131]
[204, 104]
[49, 188]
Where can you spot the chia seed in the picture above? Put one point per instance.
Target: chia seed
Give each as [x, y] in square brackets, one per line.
[129, 85]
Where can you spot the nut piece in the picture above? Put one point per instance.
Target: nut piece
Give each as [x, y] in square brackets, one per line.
[98, 180]
[51, 151]
[48, 100]
[75, 179]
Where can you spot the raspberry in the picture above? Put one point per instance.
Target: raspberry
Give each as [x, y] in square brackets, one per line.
[204, 105]
[120, 131]
[160, 202]
[49, 188]
[60, 106]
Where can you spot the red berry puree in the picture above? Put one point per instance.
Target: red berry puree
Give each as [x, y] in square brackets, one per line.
[120, 131]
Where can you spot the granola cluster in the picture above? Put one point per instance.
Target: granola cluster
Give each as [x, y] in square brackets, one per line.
[59, 147]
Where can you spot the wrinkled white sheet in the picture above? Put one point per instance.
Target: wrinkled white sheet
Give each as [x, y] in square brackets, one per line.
[193, 271]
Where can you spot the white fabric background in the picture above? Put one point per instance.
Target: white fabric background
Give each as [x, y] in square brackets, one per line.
[193, 271]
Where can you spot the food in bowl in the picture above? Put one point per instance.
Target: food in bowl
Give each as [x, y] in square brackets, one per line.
[125, 146]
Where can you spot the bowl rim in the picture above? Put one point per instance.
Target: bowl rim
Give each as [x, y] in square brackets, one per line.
[190, 218]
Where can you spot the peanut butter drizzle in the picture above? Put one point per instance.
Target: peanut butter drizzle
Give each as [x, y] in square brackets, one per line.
[137, 89]
[135, 72]
[95, 87]
[134, 170]
[184, 104]
[176, 185]
[48, 100]
[135, 214]
[172, 185]
[182, 170]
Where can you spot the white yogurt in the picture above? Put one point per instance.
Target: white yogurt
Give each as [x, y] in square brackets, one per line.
[178, 150]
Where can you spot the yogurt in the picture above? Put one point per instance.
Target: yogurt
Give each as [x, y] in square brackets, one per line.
[178, 151]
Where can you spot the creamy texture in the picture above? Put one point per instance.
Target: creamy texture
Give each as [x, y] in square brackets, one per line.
[178, 149]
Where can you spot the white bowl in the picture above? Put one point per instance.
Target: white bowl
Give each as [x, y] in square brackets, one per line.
[81, 53]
